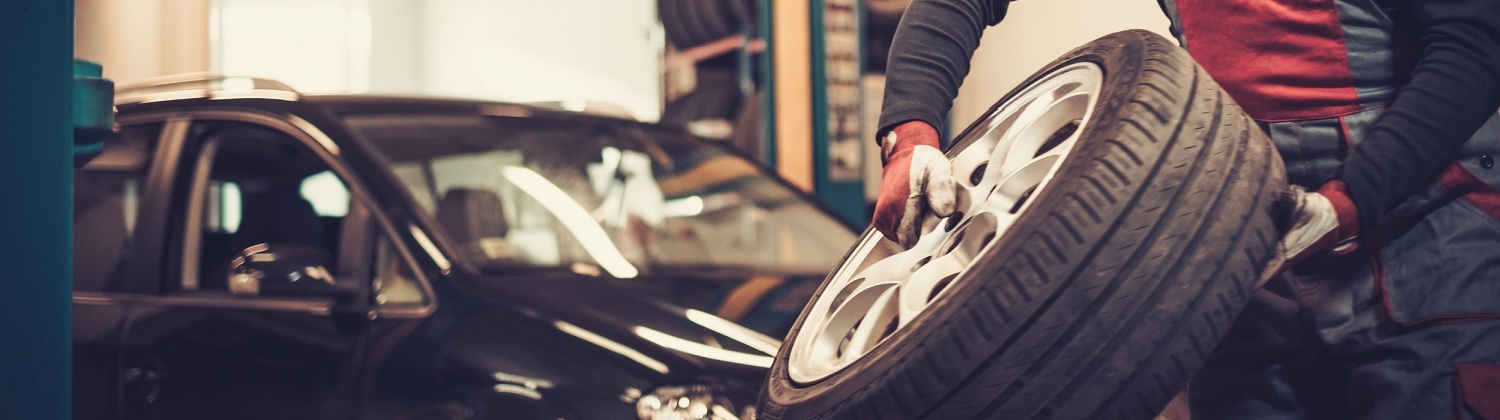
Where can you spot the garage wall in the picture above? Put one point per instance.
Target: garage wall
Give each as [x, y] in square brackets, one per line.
[518, 50]
[140, 39]
[559, 49]
[316, 46]
[396, 40]
[528, 50]
[1037, 32]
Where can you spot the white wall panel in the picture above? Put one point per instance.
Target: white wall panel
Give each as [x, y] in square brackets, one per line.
[396, 46]
[526, 50]
[318, 46]
[141, 39]
[517, 50]
[1037, 32]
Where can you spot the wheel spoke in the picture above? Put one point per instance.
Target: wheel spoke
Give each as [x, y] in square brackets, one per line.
[833, 339]
[1028, 115]
[872, 327]
[917, 291]
[898, 267]
[1017, 189]
[1059, 124]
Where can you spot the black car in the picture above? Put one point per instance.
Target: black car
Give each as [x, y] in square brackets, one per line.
[243, 251]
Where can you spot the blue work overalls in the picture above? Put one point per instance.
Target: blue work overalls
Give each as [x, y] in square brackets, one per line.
[1408, 326]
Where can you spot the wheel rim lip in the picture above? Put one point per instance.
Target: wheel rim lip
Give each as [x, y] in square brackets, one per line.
[1011, 123]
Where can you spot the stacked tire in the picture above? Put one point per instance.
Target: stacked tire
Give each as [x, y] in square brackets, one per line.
[718, 107]
[690, 23]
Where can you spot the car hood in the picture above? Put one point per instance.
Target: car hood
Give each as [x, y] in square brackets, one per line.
[599, 339]
[637, 313]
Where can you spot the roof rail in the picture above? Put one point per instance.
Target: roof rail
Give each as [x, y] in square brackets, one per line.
[204, 85]
[587, 107]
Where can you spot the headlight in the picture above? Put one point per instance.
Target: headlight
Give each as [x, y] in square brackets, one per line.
[696, 402]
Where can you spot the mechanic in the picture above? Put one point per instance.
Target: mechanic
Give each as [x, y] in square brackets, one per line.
[1387, 110]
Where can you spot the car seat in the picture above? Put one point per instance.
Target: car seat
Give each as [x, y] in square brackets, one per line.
[475, 219]
[278, 216]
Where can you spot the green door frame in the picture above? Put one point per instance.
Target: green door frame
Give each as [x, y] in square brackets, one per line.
[842, 188]
[799, 138]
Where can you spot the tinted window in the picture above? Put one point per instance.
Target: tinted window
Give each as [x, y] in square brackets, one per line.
[261, 187]
[395, 283]
[106, 196]
[591, 195]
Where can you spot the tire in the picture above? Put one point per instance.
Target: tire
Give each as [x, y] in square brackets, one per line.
[680, 24]
[718, 19]
[690, 23]
[1121, 270]
[749, 16]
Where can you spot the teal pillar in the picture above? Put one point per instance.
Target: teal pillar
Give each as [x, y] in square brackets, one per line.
[36, 181]
[838, 135]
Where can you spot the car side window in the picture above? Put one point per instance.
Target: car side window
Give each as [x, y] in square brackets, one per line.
[395, 282]
[106, 196]
[255, 187]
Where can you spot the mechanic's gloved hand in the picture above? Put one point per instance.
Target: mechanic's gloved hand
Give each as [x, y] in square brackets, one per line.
[1316, 222]
[917, 179]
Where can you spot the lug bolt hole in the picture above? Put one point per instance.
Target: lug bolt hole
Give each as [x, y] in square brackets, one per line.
[958, 239]
[941, 284]
[921, 263]
[953, 221]
[1021, 201]
[843, 295]
[978, 174]
[1058, 137]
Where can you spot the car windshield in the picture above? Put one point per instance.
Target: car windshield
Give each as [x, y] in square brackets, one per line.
[601, 197]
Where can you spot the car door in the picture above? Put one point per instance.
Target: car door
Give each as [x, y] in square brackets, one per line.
[284, 341]
[115, 246]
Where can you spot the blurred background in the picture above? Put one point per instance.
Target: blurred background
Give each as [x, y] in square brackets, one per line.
[672, 266]
[703, 64]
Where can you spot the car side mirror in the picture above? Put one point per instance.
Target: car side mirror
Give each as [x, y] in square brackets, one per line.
[283, 269]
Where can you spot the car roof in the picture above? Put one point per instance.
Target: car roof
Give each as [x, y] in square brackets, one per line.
[205, 89]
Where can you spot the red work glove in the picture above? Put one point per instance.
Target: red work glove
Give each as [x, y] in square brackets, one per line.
[1317, 222]
[916, 179]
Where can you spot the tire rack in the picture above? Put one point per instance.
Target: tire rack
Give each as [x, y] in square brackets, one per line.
[711, 82]
[821, 147]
